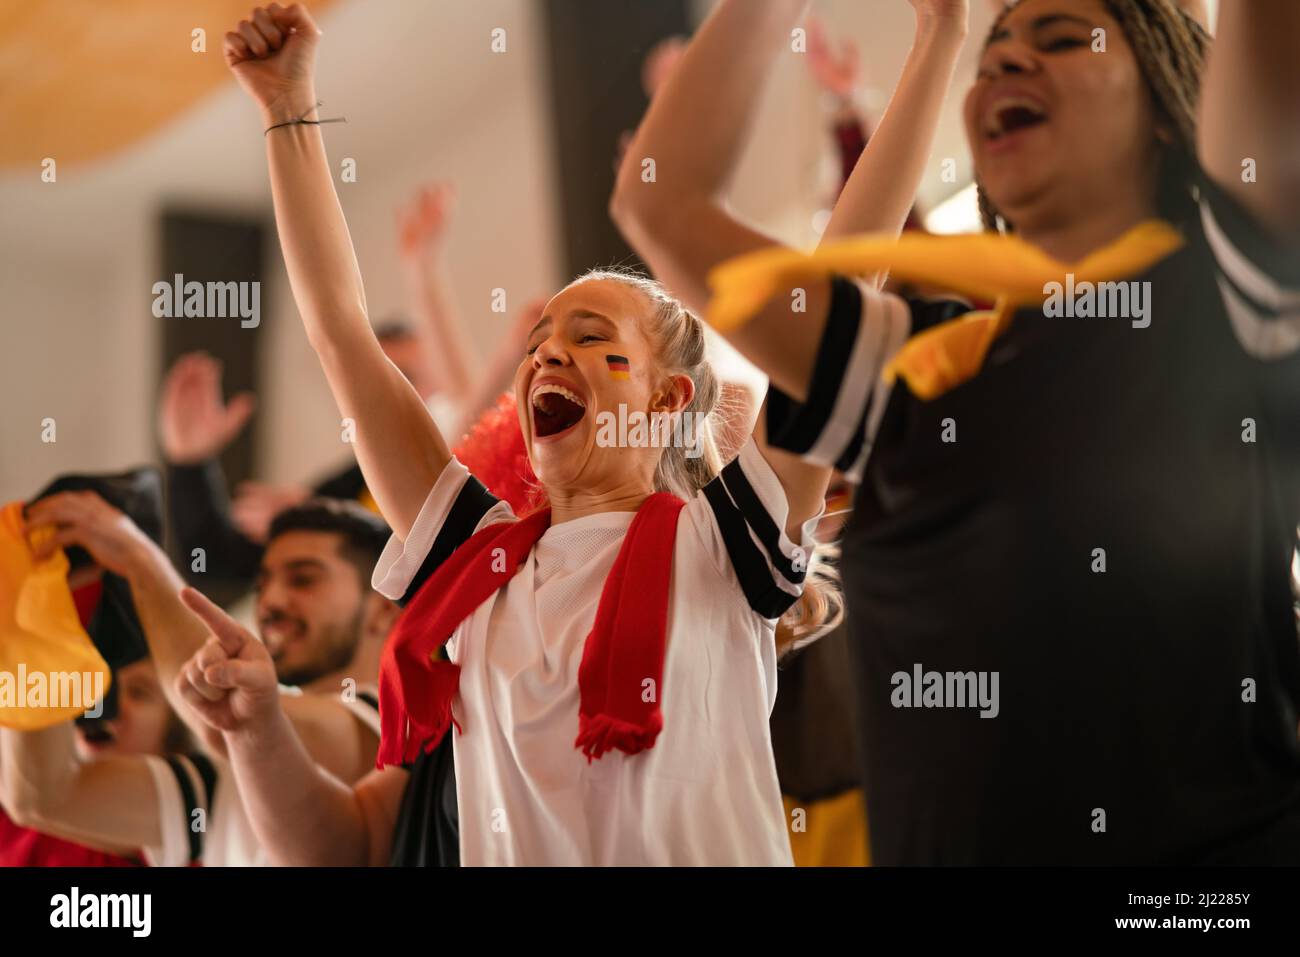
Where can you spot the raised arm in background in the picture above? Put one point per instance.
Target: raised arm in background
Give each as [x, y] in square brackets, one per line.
[695, 131]
[422, 231]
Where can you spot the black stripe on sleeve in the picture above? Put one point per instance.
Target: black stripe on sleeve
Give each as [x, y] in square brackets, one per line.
[472, 503]
[757, 517]
[189, 799]
[846, 461]
[747, 559]
[795, 426]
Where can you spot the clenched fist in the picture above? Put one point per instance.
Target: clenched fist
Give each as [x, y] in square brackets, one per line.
[273, 55]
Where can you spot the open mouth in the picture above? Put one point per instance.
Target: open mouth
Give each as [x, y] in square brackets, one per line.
[1011, 115]
[96, 734]
[555, 410]
[279, 633]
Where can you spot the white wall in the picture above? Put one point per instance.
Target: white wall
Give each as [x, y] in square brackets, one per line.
[424, 97]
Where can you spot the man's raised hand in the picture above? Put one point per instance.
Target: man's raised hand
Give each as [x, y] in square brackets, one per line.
[193, 423]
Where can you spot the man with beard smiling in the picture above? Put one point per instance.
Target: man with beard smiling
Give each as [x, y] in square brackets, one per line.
[325, 628]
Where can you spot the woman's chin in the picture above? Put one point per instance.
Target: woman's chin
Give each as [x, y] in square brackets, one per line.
[558, 459]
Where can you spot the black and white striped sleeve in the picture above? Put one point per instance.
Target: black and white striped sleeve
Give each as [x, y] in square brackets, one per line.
[747, 507]
[1258, 277]
[185, 786]
[847, 394]
[457, 506]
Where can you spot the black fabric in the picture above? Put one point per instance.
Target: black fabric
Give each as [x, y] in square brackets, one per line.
[1280, 264]
[813, 723]
[756, 517]
[786, 418]
[427, 832]
[114, 626]
[796, 426]
[190, 800]
[1119, 691]
[136, 492]
[472, 502]
[747, 559]
[198, 515]
[117, 634]
[348, 484]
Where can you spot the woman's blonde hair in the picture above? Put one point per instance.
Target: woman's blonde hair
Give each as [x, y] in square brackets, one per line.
[681, 349]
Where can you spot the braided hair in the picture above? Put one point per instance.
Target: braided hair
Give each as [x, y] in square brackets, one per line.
[1170, 46]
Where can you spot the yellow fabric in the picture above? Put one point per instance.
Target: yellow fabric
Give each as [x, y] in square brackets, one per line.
[368, 501]
[1002, 269]
[39, 626]
[834, 831]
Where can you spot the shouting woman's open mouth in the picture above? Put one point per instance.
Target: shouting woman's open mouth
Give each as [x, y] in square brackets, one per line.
[556, 409]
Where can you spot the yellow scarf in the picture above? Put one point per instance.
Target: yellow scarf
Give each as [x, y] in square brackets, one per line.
[987, 266]
[40, 632]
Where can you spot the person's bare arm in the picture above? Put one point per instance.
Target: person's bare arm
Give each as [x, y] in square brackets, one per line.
[333, 735]
[882, 188]
[398, 446]
[302, 814]
[1250, 109]
[117, 545]
[109, 804]
[422, 229]
[694, 133]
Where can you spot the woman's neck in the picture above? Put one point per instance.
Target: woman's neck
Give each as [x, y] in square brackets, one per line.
[1071, 236]
[570, 504]
[365, 661]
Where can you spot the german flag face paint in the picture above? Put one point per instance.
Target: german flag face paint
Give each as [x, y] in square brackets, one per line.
[618, 367]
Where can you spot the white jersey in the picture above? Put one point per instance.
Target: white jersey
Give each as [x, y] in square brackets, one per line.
[707, 791]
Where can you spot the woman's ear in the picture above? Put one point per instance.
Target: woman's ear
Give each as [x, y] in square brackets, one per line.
[1165, 135]
[678, 395]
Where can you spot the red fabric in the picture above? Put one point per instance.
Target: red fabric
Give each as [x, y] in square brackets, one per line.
[625, 647]
[494, 453]
[23, 847]
[86, 598]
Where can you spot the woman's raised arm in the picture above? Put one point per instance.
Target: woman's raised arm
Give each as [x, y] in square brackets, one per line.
[398, 446]
[1249, 127]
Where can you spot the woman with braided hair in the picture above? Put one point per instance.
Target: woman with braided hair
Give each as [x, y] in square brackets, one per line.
[1067, 567]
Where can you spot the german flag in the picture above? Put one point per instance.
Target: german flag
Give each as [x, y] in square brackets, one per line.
[618, 367]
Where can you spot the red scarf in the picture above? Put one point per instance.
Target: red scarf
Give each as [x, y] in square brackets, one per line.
[625, 647]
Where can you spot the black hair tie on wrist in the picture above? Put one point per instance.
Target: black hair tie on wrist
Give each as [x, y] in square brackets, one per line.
[304, 122]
